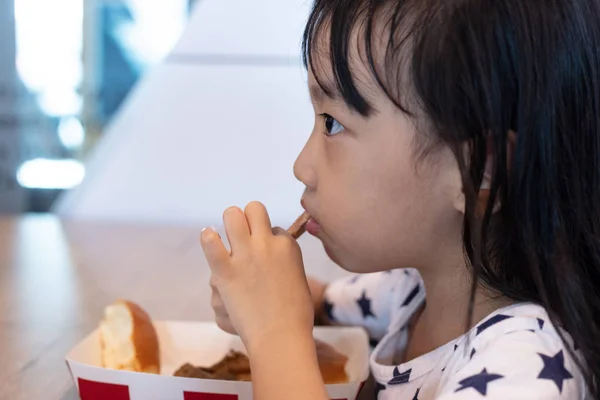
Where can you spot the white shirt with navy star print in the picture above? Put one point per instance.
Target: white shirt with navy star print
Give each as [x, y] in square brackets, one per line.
[514, 353]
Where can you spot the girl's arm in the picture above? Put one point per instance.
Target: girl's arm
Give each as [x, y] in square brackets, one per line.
[285, 367]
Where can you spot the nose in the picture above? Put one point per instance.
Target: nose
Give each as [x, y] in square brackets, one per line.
[304, 167]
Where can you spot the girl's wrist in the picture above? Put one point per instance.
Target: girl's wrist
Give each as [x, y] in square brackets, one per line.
[273, 337]
[291, 357]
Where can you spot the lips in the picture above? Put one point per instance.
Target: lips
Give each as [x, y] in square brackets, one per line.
[313, 227]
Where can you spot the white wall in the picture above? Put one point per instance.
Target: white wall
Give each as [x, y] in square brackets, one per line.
[219, 123]
[268, 27]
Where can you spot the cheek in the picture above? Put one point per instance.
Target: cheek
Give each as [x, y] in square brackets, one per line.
[370, 207]
[381, 215]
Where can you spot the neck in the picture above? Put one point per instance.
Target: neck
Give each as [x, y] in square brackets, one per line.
[445, 314]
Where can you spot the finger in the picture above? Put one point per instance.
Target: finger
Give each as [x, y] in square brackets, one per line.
[216, 302]
[213, 283]
[215, 251]
[278, 231]
[236, 227]
[219, 309]
[258, 219]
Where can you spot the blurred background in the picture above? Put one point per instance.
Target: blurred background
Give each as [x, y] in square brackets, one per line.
[126, 126]
[150, 110]
[66, 68]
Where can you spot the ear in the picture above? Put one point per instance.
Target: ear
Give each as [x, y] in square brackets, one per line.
[486, 185]
[484, 190]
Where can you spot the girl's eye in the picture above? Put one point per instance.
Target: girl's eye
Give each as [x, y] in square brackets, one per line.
[332, 126]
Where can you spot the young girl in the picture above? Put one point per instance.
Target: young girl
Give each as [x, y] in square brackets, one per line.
[460, 138]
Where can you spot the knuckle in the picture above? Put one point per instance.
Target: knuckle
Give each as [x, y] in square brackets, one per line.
[216, 302]
[286, 241]
[225, 324]
[221, 322]
[213, 283]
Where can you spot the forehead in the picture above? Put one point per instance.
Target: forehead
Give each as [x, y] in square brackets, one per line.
[327, 75]
[358, 58]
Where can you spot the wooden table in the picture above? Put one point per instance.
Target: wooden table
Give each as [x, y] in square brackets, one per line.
[56, 278]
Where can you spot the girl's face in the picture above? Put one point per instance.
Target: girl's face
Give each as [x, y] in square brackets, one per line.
[376, 206]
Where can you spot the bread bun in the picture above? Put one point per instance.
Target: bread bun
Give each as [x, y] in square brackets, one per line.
[331, 363]
[128, 340]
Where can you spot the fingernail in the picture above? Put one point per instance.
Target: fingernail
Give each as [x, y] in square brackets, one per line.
[211, 230]
[207, 232]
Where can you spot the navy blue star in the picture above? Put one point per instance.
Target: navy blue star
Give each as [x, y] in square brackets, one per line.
[365, 305]
[473, 353]
[416, 396]
[455, 347]
[443, 369]
[328, 307]
[378, 388]
[411, 295]
[478, 382]
[492, 321]
[541, 323]
[554, 369]
[400, 378]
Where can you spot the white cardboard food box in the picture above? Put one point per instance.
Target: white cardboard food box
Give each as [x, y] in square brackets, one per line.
[201, 344]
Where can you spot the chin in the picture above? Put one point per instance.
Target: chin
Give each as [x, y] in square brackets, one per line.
[332, 255]
[345, 261]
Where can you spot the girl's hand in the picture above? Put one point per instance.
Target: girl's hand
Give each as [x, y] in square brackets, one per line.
[259, 288]
[317, 292]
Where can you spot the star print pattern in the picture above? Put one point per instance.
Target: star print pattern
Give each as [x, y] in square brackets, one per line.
[411, 296]
[554, 369]
[378, 388]
[491, 322]
[478, 382]
[328, 307]
[400, 377]
[416, 396]
[513, 350]
[365, 305]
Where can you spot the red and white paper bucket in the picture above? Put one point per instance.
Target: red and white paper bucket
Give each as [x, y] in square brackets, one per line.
[202, 344]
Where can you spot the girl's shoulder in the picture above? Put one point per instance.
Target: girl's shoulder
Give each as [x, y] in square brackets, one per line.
[515, 353]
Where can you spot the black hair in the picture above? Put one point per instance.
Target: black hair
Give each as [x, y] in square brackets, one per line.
[485, 74]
